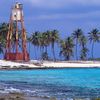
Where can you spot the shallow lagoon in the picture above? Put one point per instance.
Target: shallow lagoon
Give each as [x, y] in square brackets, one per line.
[61, 83]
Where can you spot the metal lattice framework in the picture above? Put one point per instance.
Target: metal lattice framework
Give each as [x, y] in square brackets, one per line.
[12, 44]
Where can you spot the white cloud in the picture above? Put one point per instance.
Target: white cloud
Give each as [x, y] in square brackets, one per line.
[71, 16]
[61, 3]
[86, 14]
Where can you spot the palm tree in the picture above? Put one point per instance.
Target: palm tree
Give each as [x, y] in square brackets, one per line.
[76, 36]
[66, 47]
[29, 41]
[54, 37]
[94, 36]
[45, 42]
[46, 38]
[3, 33]
[34, 38]
[41, 41]
[84, 50]
[2, 45]
[4, 29]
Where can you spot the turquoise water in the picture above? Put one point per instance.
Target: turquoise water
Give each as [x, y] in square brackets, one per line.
[53, 82]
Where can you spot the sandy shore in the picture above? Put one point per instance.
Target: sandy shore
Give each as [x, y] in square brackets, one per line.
[48, 64]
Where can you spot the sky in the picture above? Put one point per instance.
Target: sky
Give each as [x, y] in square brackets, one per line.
[63, 15]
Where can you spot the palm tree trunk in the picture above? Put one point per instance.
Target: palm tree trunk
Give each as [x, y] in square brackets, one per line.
[29, 48]
[46, 49]
[53, 51]
[40, 52]
[67, 58]
[76, 49]
[35, 52]
[3, 52]
[92, 52]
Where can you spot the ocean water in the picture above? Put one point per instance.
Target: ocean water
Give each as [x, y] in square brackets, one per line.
[60, 83]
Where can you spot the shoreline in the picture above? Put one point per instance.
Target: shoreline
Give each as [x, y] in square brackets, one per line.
[44, 68]
[35, 64]
[20, 96]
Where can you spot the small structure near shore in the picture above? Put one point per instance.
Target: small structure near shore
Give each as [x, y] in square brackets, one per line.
[16, 49]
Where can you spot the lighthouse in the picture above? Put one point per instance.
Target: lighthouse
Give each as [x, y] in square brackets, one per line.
[16, 41]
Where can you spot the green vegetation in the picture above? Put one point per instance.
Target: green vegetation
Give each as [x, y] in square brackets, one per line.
[50, 40]
[77, 34]
[94, 36]
[66, 48]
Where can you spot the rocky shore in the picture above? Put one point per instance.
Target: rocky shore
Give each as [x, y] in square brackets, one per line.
[19, 96]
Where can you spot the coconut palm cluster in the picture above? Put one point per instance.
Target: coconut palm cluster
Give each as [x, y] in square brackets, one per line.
[71, 47]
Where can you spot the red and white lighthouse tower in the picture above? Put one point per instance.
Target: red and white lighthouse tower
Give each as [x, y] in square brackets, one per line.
[16, 46]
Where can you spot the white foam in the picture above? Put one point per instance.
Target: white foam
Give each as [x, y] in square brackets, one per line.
[12, 90]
